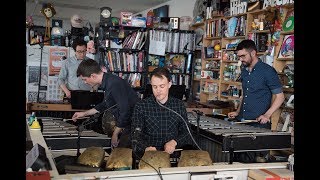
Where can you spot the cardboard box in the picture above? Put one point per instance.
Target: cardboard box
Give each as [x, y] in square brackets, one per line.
[271, 174]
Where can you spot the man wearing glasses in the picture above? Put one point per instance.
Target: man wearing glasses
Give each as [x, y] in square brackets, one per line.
[259, 82]
[68, 79]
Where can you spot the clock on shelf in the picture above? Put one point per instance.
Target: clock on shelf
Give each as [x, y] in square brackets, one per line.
[105, 16]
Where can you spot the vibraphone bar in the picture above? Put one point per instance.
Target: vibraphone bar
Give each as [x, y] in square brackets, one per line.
[219, 137]
[62, 135]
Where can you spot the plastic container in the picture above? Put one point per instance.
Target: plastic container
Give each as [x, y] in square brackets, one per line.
[185, 22]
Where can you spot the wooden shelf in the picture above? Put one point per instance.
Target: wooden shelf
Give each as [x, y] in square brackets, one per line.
[215, 69]
[286, 107]
[240, 14]
[260, 31]
[210, 80]
[212, 59]
[229, 49]
[235, 37]
[197, 79]
[285, 59]
[230, 61]
[211, 93]
[261, 53]
[259, 11]
[230, 97]
[231, 83]
[212, 38]
[287, 32]
[197, 24]
[278, 63]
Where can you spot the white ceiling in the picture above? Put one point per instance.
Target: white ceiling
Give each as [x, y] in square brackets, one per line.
[89, 9]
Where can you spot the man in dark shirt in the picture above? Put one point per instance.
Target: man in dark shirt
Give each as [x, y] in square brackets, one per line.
[117, 92]
[159, 121]
[259, 82]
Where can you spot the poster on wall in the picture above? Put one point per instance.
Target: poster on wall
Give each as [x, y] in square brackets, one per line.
[55, 93]
[33, 96]
[56, 57]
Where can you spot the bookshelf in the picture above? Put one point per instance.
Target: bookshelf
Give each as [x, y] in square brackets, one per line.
[265, 36]
[199, 29]
[122, 51]
[178, 55]
[284, 65]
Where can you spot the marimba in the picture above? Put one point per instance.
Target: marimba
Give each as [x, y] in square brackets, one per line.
[61, 135]
[220, 137]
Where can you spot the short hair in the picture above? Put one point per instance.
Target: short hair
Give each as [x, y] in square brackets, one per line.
[78, 42]
[247, 44]
[88, 67]
[161, 71]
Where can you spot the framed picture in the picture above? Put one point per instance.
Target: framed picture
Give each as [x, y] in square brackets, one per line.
[174, 21]
[287, 47]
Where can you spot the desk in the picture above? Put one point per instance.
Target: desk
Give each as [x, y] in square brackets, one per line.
[52, 110]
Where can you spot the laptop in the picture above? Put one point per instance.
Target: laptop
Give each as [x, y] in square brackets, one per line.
[81, 99]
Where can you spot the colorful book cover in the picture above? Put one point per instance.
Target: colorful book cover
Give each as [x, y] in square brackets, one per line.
[287, 47]
[176, 63]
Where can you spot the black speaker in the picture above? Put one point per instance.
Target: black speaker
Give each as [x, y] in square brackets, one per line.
[85, 99]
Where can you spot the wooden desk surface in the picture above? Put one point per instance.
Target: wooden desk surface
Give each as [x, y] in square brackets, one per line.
[50, 107]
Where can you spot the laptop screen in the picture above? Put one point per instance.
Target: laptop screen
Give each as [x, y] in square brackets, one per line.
[85, 99]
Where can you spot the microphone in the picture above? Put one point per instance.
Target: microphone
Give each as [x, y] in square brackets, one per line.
[136, 134]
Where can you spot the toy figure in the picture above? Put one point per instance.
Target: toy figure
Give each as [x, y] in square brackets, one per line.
[48, 11]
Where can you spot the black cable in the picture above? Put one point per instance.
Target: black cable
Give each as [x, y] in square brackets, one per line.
[140, 158]
[184, 123]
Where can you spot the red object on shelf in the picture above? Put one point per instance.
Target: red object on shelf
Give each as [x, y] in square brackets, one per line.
[38, 175]
[150, 16]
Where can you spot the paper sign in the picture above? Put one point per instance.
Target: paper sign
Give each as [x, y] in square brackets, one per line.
[157, 47]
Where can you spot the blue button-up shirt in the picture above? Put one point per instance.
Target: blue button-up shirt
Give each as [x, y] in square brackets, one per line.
[258, 87]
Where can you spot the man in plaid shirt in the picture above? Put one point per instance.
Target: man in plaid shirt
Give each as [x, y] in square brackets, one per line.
[158, 120]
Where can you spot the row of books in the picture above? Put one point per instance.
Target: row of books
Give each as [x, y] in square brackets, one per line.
[135, 40]
[261, 40]
[176, 63]
[236, 26]
[176, 42]
[181, 79]
[124, 61]
[214, 28]
[134, 79]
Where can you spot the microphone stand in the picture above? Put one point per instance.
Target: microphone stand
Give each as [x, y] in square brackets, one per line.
[199, 113]
[134, 148]
[80, 128]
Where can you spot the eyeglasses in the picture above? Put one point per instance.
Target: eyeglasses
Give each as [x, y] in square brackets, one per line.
[84, 51]
[242, 56]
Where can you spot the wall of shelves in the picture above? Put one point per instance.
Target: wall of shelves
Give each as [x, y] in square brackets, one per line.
[229, 89]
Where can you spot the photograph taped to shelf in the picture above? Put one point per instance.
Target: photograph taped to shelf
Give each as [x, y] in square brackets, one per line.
[287, 47]
[175, 63]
